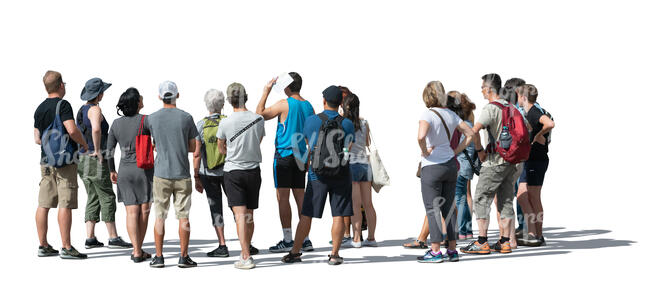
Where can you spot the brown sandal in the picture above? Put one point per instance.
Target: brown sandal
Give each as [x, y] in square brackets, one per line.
[417, 244]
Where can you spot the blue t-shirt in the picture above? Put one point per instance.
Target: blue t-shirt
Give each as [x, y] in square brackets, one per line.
[312, 127]
[287, 135]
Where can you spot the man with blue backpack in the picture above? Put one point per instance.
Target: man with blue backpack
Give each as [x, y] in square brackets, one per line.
[328, 136]
[57, 134]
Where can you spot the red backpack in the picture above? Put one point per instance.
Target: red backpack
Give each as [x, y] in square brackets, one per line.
[519, 149]
[143, 148]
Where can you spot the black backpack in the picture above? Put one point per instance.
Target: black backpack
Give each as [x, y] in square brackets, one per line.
[328, 157]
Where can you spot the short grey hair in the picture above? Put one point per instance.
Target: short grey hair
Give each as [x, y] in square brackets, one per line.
[214, 100]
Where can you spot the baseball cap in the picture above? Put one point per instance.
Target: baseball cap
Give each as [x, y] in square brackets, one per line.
[236, 89]
[333, 95]
[168, 87]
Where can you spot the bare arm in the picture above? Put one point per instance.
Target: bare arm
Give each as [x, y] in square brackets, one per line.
[469, 136]
[197, 164]
[95, 117]
[37, 136]
[422, 138]
[548, 125]
[221, 145]
[368, 135]
[74, 133]
[191, 145]
[197, 158]
[273, 111]
[477, 141]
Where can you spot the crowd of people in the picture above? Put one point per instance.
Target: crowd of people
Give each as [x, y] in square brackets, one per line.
[316, 156]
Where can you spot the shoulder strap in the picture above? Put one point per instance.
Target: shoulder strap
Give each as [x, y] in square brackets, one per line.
[500, 105]
[141, 125]
[443, 123]
[259, 119]
[323, 117]
[58, 107]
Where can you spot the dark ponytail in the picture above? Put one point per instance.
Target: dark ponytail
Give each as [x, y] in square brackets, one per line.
[351, 110]
[129, 102]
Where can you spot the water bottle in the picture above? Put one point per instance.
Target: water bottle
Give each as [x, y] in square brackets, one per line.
[505, 139]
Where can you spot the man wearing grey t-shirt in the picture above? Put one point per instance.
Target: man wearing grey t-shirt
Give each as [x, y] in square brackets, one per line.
[239, 137]
[174, 136]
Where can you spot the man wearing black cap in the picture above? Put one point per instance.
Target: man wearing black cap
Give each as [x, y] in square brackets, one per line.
[328, 175]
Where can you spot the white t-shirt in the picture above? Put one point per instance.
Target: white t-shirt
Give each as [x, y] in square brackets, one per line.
[243, 148]
[437, 136]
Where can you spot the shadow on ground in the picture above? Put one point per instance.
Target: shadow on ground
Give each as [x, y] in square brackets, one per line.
[558, 239]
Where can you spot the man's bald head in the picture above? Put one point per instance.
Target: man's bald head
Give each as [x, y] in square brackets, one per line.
[52, 81]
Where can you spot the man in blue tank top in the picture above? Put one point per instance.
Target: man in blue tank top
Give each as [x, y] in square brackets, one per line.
[290, 154]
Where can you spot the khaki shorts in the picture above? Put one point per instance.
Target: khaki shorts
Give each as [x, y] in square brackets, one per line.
[58, 187]
[495, 180]
[181, 189]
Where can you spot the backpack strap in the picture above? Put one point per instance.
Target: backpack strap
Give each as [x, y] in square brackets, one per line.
[323, 117]
[58, 107]
[443, 123]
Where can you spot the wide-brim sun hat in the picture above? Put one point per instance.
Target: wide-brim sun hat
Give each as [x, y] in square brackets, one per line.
[93, 88]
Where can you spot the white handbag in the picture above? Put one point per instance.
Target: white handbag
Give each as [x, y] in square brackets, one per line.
[380, 176]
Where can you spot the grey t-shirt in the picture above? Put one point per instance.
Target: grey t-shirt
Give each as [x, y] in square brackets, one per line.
[491, 120]
[243, 148]
[171, 130]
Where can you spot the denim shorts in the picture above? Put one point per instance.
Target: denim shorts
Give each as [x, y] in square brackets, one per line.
[360, 172]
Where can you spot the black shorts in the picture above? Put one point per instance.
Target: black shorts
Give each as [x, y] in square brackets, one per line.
[340, 192]
[534, 172]
[213, 185]
[287, 173]
[242, 187]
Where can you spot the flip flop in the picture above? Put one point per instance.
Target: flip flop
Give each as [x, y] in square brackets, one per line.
[417, 244]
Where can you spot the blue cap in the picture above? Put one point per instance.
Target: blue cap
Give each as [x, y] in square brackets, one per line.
[333, 95]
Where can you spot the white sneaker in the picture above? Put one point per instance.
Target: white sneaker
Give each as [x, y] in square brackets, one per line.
[351, 244]
[369, 243]
[245, 264]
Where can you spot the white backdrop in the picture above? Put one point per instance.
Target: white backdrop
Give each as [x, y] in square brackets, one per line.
[589, 61]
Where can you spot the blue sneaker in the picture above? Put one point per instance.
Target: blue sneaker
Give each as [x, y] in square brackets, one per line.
[452, 255]
[430, 257]
[281, 247]
[307, 246]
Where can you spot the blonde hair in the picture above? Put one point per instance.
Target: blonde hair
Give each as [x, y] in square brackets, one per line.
[434, 95]
[52, 81]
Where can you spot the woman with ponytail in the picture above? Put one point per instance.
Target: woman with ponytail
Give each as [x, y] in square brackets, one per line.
[361, 175]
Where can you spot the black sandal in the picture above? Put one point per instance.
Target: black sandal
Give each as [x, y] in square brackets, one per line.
[335, 260]
[292, 258]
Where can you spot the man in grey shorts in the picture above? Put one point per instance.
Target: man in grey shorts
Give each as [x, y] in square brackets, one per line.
[497, 175]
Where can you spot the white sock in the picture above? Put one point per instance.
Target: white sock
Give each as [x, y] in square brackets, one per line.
[306, 238]
[287, 234]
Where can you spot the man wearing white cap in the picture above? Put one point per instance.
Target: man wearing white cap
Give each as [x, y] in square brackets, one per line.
[174, 134]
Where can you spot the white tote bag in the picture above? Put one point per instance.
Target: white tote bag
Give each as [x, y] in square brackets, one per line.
[379, 175]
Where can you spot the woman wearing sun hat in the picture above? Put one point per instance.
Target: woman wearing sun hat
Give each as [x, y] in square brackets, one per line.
[93, 168]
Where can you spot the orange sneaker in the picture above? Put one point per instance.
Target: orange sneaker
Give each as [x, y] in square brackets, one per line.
[476, 248]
